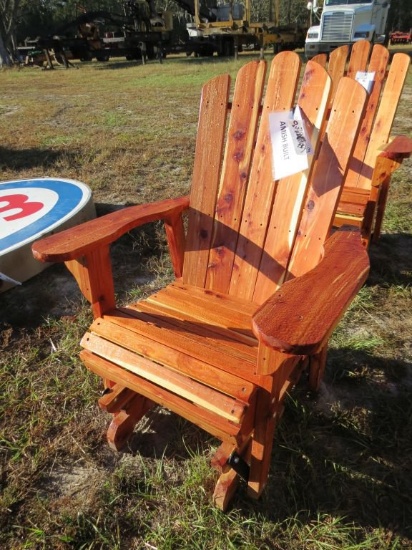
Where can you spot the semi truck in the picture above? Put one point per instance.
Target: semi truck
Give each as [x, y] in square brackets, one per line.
[346, 22]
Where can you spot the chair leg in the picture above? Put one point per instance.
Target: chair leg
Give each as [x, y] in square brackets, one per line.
[124, 421]
[317, 364]
[225, 489]
[261, 452]
[268, 410]
[229, 477]
[380, 211]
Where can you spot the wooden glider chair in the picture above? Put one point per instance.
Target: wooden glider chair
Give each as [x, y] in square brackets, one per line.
[260, 284]
[376, 155]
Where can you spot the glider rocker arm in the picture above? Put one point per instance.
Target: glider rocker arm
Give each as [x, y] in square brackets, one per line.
[300, 317]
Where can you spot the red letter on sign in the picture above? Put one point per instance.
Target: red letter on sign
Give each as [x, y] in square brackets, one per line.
[21, 202]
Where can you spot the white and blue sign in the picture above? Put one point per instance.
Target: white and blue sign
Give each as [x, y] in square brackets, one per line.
[32, 208]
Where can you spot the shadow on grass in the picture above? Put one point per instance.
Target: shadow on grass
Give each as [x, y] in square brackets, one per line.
[21, 159]
[347, 451]
[391, 260]
[343, 453]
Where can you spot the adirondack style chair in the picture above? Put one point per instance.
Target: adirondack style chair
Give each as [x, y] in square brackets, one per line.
[260, 283]
[376, 155]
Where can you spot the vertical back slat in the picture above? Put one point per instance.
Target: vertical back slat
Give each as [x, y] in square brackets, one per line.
[378, 63]
[280, 95]
[313, 101]
[328, 176]
[241, 138]
[385, 115]
[321, 58]
[359, 57]
[205, 180]
[337, 67]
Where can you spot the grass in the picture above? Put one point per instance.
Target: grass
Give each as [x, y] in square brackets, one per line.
[340, 474]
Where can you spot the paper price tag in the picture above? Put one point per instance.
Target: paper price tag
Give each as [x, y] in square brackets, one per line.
[290, 144]
[366, 79]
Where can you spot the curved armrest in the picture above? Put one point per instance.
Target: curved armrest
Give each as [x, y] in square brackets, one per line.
[301, 315]
[82, 239]
[400, 147]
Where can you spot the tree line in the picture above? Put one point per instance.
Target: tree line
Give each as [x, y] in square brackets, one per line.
[30, 18]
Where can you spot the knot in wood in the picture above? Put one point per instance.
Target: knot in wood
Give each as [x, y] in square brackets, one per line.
[311, 205]
[239, 134]
[238, 156]
[228, 198]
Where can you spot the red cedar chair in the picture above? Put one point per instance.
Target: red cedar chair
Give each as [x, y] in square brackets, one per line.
[377, 155]
[260, 283]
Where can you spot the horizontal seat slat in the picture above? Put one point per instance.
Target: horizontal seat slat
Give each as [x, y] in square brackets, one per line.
[205, 419]
[229, 342]
[179, 361]
[148, 323]
[225, 301]
[211, 312]
[204, 396]
[200, 329]
[216, 348]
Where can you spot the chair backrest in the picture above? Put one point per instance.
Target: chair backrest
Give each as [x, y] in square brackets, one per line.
[246, 232]
[388, 82]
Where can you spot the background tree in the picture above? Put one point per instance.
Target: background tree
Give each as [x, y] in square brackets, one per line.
[400, 15]
[8, 16]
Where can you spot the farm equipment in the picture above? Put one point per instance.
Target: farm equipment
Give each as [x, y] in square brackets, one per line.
[399, 37]
[139, 33]
[226, 29]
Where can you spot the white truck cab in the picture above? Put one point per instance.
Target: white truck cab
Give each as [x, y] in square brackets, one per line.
[346, 22]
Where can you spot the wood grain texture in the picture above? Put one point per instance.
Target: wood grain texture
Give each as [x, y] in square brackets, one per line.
[378, 65]
[328, 177]
[205, 419]
[206, 176]
[291, 191]
[203, 346]
[93, 273]
[300, 317]
[385, 115]
[280, 96]
[183, 361]
[240, 143]
[337, 67]
[359, 57]
[373, 135]
[87, 237]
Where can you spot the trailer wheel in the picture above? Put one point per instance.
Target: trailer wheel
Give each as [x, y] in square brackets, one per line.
[227, 48]
[102, 57]
[87, 56]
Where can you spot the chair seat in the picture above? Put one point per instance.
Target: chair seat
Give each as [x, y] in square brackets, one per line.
[352, 206]
[189, 348]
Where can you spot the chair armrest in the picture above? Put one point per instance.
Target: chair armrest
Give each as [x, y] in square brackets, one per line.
[300, 317]
[83, 239]
[400, 147]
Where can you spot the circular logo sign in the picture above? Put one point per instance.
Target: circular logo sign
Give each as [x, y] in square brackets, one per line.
[31, 208]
